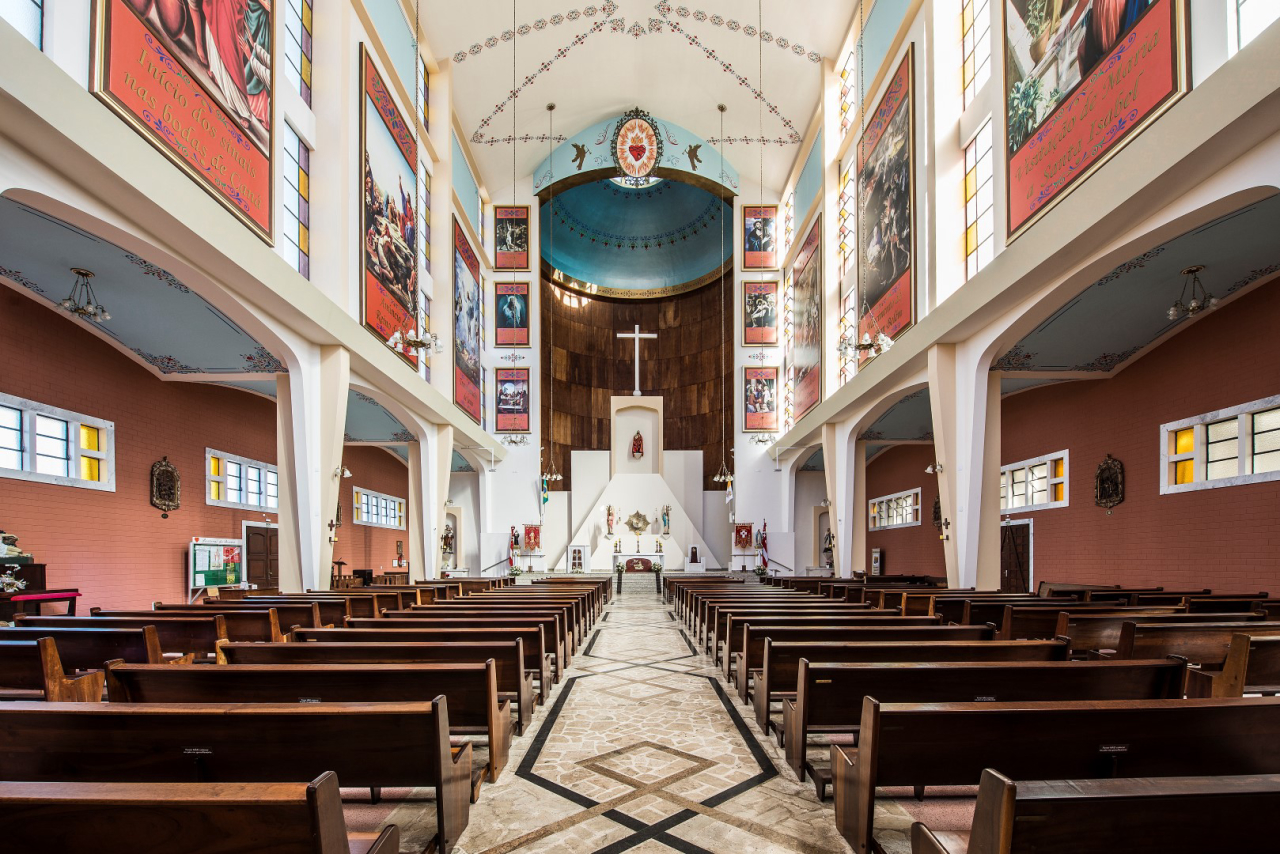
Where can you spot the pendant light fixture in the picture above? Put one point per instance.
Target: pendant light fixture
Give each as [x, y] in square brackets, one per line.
[723, 475]
[552, 472]
[82, 301]
[1201, 300]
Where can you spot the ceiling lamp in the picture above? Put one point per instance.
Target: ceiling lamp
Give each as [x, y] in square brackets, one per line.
[551, 473]
[82, 301]
[723, 475]
[1201, 300]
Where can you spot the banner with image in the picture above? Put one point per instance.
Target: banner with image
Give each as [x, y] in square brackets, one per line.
[759, 400]
[760, 313]
[805, 357]
[511, 238]
[512, 405]
[466, 325]
[511, 314]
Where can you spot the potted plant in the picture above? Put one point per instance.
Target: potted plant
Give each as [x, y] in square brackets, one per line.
[1024, 110]
[657, 567]
[514, 571]
[1037, 22]
[760, 571]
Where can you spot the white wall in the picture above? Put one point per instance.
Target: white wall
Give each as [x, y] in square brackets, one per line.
[811, 489]
[682, 471]
[629, 420]
[464, 492]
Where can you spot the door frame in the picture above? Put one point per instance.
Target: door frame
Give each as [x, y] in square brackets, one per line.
[245, 524]
[1031, 547]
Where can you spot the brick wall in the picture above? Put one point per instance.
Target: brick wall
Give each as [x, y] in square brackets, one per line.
[906, 550]
[1228, 538]
[364, 546]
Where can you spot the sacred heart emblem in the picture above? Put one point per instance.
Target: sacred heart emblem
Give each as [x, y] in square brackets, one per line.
[637, 145]
[637, 152]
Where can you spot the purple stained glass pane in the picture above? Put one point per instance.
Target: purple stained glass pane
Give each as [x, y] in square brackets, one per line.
[304, 211]
[304, 264]
[304, 157]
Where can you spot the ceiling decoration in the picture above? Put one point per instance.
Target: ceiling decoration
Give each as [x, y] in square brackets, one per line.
[1124, 312]
[816, 462]
[154, 316]
[783, 43]
[908, 420]
[367, 420]
[459, 463]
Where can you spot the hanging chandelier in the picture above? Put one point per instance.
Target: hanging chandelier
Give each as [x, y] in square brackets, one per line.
[723, 475]
[1201, 300]
[551, 473]
[82, 301]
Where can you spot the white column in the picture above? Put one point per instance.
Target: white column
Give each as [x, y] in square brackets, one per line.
[421, 513]
[838, 470]
[437, 449]
[858, 553]
[311, 414]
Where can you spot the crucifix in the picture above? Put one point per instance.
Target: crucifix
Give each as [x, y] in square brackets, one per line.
[637, 335]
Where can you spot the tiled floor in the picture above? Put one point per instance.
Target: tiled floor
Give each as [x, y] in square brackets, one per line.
[643, 748]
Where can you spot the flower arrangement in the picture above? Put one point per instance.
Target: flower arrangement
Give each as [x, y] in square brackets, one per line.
[761, 571]
[10, 584]
[657, 567]
[514, 571]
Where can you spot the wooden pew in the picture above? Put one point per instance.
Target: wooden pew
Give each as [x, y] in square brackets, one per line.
[1101, 631]
[829, 695]
[953, 610]
[718, 617]
[242, 743]
[553, 621]
[780, 665]
[594, 598]
[32, 670]
[333, 610]
[537, 660]
[127, 818]
[976, 612]
[1180, 597]
[367, 601]
[1252, 666]
[1203, 605]
[1020, 622]
[603, 586]
[302, 615]
[195, 636]
[472, 691]
[441, 588]
[552, 625]
[248, 625]
[514, 682]
[700, 604]
[1137, 816]
[735, 630]
[949, 744]
[92, 648]
[694, 597]
[1205, 644]
[350, 602]
[577, 609]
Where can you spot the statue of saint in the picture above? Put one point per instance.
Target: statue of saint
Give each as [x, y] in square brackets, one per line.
[637, 446]
[666, 520]
[693, 554]
[609, 518]
[446, 540]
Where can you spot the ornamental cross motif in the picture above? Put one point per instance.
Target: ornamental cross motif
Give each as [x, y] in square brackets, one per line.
[637, 335]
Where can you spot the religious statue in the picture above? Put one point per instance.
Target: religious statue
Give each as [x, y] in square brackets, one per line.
[9, 546]
[609, 518]
[666, 520]
[446, 540]
[1108, 483]
[829, 548]
[693, 554]
[637, 446]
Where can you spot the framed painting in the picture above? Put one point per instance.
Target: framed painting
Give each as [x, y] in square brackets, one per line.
[760, 400]
[466, 325]
[804, 363]
[886, 211]
[179, 76]
[760, 313]
[533, 538]
[511, 238]
[511, 408]
[511, 314]
[1081, 81]
[760, 237]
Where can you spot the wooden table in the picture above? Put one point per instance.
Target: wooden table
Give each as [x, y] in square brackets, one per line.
[29, 601]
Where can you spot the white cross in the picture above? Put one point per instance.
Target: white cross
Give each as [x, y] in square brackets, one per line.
[637, 335]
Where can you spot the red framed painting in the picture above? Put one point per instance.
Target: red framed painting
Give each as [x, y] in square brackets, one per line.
[511, 314]
[760, 313]
[760, 237]
[511, 238]
[511, 400]
[760, 400]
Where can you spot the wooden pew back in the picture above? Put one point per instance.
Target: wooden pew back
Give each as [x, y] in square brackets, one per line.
[1021, 622]
[1200, 643]
[90, 648]
[31, 669]
[250, 625]
[305, 615]
[1101, 631]
[1252, 666]
[178, 635]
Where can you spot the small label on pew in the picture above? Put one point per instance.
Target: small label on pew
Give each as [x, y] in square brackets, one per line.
[984, 699]
[1113, 748]
[308, 699]
[822, 682]
[197, 751]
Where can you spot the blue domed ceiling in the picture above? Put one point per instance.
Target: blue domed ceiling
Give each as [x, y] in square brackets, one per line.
[638, 242]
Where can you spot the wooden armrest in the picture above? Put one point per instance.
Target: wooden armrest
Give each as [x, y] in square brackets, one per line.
[1101, 654]
[925, 841]
[1200, 683]
[386, 842]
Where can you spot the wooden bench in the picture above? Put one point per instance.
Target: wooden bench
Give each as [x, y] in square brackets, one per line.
[514, 682]
[602, 586]
[977, 612]
[1101, 631]
[700, 606]
[949, 744]
[1252, 666]
[714, 630]
[735, 630]
[471, 688]
[333, 610]
[577, 619]
[953, 610]
[1138, 816]
[126, 818]
[1020, 622]
[1176, 597]
[550, 624]
[248, 625]
[367, 602]
[302, 615]
[32, 670]
[367, 745]
[1205, 644]
[829, 695]
[537, 660]
[178, 636]
[92, 648]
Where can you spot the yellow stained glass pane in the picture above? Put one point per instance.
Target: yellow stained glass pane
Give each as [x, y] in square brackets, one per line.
[89, 438]
[970, 183]
[90, 469]
[968, 70]
[215, 466]
[966, 17]
[215, 490]
[970, 239]
[304, 239]
[1058, 468]
[1185, 471]
[1185, 441]
[1059, 490]
[306, 16]
[304, 184]
[306, 70]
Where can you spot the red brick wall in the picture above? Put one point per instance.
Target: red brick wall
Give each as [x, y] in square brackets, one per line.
[364, 546]
[906, 550]
[1228, 538]
[114, 546]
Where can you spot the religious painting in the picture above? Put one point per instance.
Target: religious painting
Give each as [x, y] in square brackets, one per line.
[511, 237]
[511, 314]
[637, 145]
[760, 400]
[388, 222]
[804, 360]
[512, 406]
[760, 237]
[886, 212]
[196, 81]
[760, 313]
[466, 325]
[533, 538]
[1082, 78]
[742, 539]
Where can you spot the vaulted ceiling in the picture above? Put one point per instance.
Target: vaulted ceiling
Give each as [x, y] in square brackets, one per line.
[596, 61]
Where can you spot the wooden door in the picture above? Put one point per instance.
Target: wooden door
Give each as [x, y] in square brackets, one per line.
[1015, 558]
[262, 555]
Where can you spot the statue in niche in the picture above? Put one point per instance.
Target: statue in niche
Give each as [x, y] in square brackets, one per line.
[166, 487]
[610, 517]
[829, 548]
[666, 520]
[693, 554]
[637, 446]
[1108, 483]
[446, 540]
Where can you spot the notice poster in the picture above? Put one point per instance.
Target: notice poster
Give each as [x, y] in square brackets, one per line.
[466, 325]
[198, 86]
[760, 313]
[388, 225]
[760, 237]
[512, 404]
[511, 238]
[760, 400]
[511, 314]
[1081, 81]
[804, 360]
[886, 212]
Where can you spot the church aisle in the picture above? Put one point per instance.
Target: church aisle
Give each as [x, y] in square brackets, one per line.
[642, 749]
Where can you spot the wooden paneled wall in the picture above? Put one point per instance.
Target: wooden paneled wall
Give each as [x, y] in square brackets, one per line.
[591, 364]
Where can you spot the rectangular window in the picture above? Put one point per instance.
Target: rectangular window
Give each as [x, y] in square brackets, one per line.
[297, 67]
[847, 216]
[1038, 484]
[241, 483]
[848, 92]
[979, 202]
[900, 510]
[975, 28]
[1229, 447]
[425, 94]
[27, 17]
[49, 445]
[424, 216]
[295, 224]
[1254, 16]
[378, 510]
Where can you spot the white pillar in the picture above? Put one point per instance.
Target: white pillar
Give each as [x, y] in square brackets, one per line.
[421, 512]
[437, 451]
[838, 470]
[858, 549]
